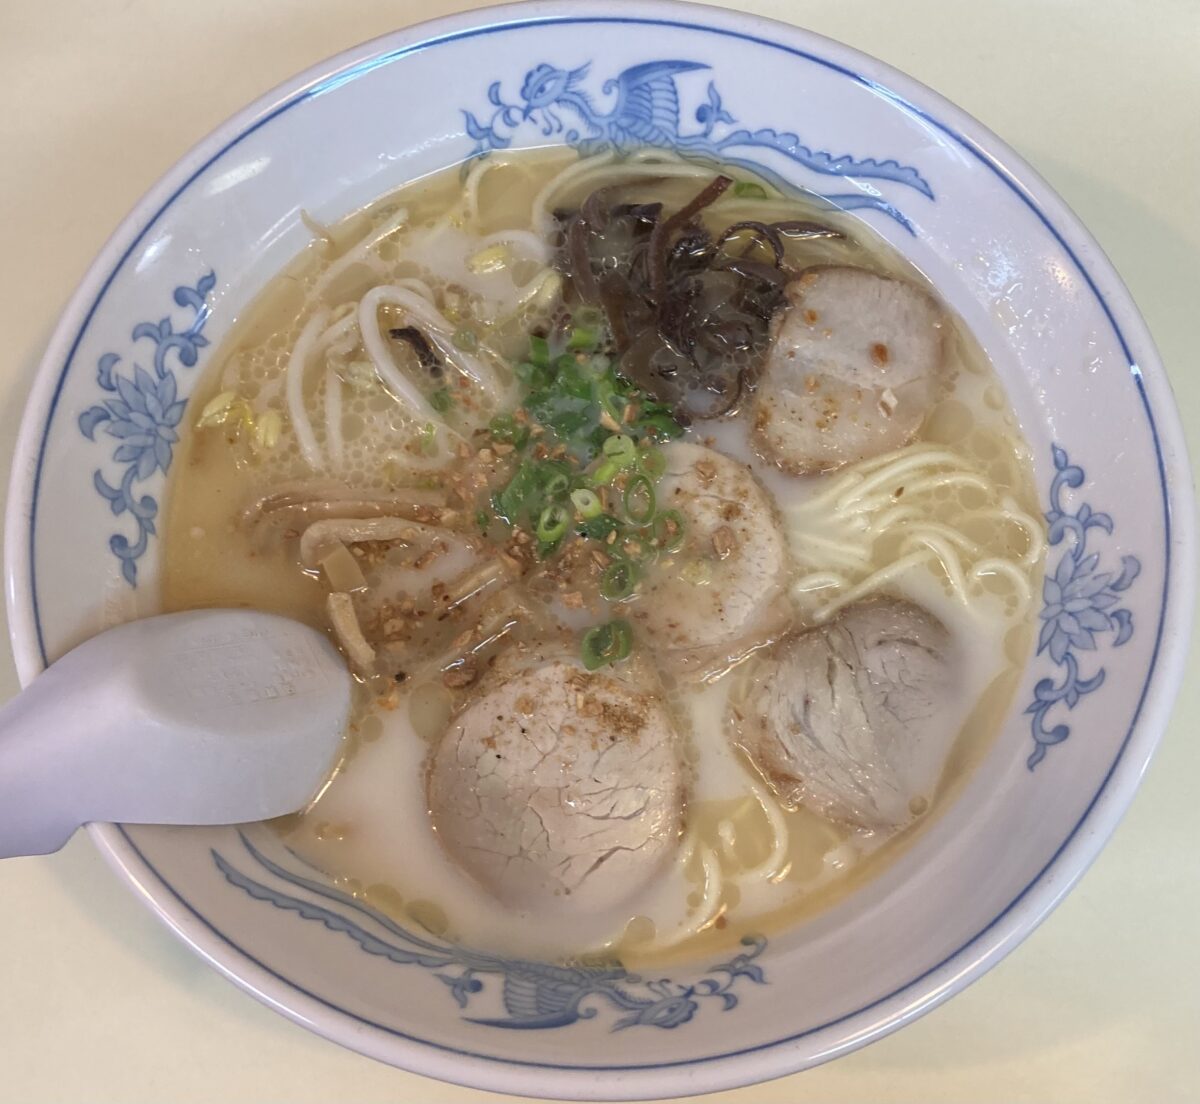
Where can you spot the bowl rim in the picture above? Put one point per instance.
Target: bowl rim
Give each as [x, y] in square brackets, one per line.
[765, 1060]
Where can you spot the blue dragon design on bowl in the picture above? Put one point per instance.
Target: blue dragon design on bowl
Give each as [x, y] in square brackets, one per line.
[535, 995]
[645, 112]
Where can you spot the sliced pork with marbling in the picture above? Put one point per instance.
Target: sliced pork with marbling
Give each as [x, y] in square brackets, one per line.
[855, 718]
[556, 786]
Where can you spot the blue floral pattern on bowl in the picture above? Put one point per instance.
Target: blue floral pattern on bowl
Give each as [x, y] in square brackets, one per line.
[645, 112]
[1077, 605]
[142, 414]
[535, 995]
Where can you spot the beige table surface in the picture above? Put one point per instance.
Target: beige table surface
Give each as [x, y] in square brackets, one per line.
[98, 97]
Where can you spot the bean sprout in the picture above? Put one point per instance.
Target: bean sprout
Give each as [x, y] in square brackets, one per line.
[360, 253]
[474, 180]
[526, 242]
[333, 418]
[439, 332]
[297, 363]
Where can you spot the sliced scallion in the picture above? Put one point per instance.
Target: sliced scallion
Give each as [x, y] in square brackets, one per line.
[555, 484]
[611, 402]
[668, 530]
[640, 502]
[539, 351]
[587, 503]
[660, 425]
[552, 524]
[619, 580]
[605, 644]
[583, 337]
[506, 428]
[633, 548]
[748, 189]
[652, 462]
[598, 528]
[605, 473]
[620, 449]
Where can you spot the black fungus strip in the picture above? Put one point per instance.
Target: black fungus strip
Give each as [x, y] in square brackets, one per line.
[427, 357]
[689, 313]
[614, 298]
[660, 237]
[595, 210]
[769, 234]
[757, 270]
[579, 258]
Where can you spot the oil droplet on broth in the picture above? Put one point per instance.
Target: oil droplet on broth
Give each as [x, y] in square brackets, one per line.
[429, 707]
[385, 899]
[429, 915]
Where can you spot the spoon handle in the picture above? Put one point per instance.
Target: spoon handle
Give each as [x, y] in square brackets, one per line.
[203, 717]
[40, 769]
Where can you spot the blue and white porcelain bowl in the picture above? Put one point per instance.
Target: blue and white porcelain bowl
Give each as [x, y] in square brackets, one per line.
[1004, 251]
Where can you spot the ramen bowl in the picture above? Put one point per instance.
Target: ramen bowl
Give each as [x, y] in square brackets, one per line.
[101, 433]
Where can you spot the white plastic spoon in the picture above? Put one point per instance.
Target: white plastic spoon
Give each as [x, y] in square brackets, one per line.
[208, 717]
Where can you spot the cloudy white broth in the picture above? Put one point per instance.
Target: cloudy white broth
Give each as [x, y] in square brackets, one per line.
[681, 540]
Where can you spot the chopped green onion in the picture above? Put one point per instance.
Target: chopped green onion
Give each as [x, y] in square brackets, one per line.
[747, 189]
[441, 400]
[610, 400]
[482, 520]
[605, 473]
[633, 548]
[583, 337]
[557, 485]
[661, 425]
[620, 449]
[568, 367]
[555, 478]
[640, 502]
[539, 351]
[587, 503]
[536, 376]
[668, 530]
[598, 528]
[552, 524]
[465, 339]
[506, 428]
[605, 644]
[619, 580]
[652, 462]
[520, 492]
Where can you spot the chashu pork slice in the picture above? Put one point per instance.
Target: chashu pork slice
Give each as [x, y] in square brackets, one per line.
[855, 364]
[855, 718]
